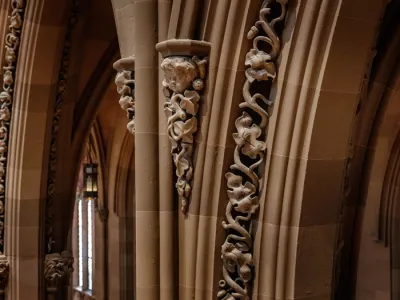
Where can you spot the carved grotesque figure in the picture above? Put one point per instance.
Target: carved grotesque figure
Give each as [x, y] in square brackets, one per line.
[179, 73]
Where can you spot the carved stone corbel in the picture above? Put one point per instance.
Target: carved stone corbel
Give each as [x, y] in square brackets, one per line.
[125, 82]
[243, 183]
[184, 76]
[57, 270]
[4, 276]
[12, 42]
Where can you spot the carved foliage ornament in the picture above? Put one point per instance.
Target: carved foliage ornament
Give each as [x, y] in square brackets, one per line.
[57, 267]
[243, 182]
[184, 80]
[4, 275]
[125, 82]
[61, 86]
[12, 43]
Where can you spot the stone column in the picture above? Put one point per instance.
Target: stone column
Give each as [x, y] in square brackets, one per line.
[146, 151]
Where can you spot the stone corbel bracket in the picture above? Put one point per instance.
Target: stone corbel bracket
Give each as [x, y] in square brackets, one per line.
[243, 183]
[57, 270]
[125, 82]
[184, 65]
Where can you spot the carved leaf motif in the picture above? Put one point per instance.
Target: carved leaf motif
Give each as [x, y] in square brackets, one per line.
[184, 130]
[237, 261]
[241, 196]
[8, 78]
[5, 97]
[16, 21]
[181, 164]
[247, 136]
[125, 88]
[260, 66]
[189, 102]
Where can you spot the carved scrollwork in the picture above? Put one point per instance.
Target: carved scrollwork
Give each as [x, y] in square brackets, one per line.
[61, 87]
[57, 269]
[125, 82]
[184, 80]
[12, 42]
[243, 182]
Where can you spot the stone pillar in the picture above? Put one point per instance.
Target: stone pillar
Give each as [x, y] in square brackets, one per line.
[146, 152]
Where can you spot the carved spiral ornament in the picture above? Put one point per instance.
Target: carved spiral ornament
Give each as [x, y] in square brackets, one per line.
[243, 182]
[12, 43]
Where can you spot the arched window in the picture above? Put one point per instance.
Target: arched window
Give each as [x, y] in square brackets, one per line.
[83, 236]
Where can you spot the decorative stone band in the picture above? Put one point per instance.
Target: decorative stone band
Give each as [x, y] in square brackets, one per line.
[125, 81]
[59, 99]
[4, 276]
[12, 43]
[184, 76]
[57, 269]
[243, 182]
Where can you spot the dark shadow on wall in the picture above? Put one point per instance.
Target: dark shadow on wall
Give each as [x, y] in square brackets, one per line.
[348, 244]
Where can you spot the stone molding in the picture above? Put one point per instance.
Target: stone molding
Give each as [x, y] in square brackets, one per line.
[12, 42]
[184, 80]
[243, 182]
[59, 99]
[57, 270]
[125, 82]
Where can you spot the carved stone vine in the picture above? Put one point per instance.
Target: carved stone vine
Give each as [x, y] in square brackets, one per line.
[57, 270]
[243, 182]
[184, 80]
[61, 86]
[12, 42]
[125, 82]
